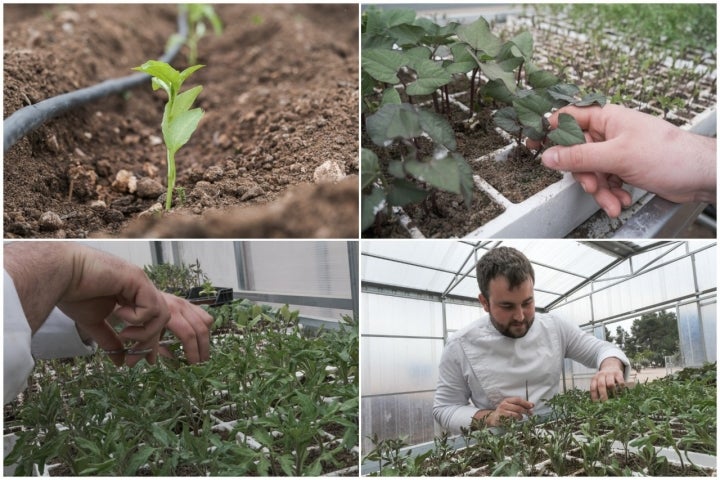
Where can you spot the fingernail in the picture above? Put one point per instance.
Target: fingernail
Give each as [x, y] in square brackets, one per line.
[583, 187]
[550, 158]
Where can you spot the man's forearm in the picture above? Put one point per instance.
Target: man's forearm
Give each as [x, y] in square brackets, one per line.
[41, 272]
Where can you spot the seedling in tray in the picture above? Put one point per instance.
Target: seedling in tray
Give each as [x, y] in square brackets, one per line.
[179, 120]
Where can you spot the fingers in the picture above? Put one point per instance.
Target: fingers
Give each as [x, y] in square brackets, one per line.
[605, 383]
[586, 117]
[191, 324]
[514, 407]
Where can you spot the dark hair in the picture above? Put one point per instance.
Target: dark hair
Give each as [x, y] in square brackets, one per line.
[503, 261]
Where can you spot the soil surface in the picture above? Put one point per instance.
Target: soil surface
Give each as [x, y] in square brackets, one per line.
[276, 154]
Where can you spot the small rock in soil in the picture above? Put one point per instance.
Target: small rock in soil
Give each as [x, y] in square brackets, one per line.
[98, 205]
[213, 174]
[253, 192]
[125, 182]
[149, 188]
[82, 182]
[50, 221]
[113, 216]
[155, 209]
[329, 171]
[150, 169]
[104, 168]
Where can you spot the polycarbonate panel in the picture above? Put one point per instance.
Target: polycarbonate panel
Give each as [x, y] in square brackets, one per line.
[311, 268]
[396, 365]
[398, 274]
[706, 268]
[709, 322]
[387, 315]
[578, 312]
[217, 259]
[397, 416]
[692, 341]
[459, 316]
[656, 286]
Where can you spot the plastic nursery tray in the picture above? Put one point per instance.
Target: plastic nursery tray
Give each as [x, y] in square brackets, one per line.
[223, 296]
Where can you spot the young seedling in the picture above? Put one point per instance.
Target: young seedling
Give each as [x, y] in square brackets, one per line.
[179, 120]
[197, 14]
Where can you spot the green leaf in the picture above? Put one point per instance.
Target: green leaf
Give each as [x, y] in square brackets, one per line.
[393, 121]
[179, 130]
[430, 76]
[403, 193]
[495, 71]
[592, 99]
[184, 101]
[438, 128]
[382, 64]
[478, 35]
[369, 167]
[390, 95]
[506, 118]
[524, 42]
[568, 131]
[371, 205]
[497, 90]
[530, 110]
[186, 73]
[395, 168]
[541, 79]
[442, 172]
[406, 34]
[462, 62]
[160, 70]
[564, 92]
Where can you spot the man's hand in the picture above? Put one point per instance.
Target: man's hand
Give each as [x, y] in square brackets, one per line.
[512, 407]
[609, 379]
[191, 324]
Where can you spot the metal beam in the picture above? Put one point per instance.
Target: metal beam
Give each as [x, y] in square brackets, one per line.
[322, 301]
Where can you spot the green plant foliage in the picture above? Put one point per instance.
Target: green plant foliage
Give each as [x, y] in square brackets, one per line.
[179, 120]
[197, 16]
[294, 391]
[618, 437]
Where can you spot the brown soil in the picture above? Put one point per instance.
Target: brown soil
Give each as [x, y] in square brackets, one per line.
[528, 177]
[280, 100]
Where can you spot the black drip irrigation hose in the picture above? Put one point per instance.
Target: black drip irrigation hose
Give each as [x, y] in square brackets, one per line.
[27, 119]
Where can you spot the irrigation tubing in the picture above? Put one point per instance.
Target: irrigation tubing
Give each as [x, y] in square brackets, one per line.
[27, 119]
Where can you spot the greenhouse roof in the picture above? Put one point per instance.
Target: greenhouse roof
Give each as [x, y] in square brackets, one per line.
[445, 270]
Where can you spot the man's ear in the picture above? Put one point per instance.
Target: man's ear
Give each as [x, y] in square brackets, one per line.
[485, 303]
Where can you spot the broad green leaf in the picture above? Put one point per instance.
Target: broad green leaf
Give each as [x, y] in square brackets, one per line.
[416, 54]
[497, 90]
[390, 95]
[541, 79]
[568, 131]
[160, 70]
[530, 110]
[438, 128]
[382, 64]
[367, 84]
[506, 118]
[479, 37]
[371, 205]
[393, 121]
[180, 128]
[524, 42]
[369, 167]
[592, 98]
[467, 184]
[494, 71]
[395, 168]
[564, 92]
[462, 62]
[442, 173]
[430, 76]
[406, 34]
[403, 193]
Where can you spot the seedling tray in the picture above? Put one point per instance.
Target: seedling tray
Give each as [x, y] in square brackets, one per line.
[560, 209]
[222, 296]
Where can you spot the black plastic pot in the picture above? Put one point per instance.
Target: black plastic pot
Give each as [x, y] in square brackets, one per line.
[222, 296]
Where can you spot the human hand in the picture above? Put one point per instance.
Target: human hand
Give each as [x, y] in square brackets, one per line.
[511, 407]
[88, 285]
[191, 324]
[627, 146]
[609, 379]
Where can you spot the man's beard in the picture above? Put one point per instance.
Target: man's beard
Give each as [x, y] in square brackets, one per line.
[508, 331]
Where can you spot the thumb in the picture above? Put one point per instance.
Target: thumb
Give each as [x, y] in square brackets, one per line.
[585, 157]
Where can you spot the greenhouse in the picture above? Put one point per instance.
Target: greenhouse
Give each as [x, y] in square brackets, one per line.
[654, 300]
[277, 395]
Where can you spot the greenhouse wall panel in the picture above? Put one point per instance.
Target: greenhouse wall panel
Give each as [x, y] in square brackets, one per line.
[460, 315]
[387, 315]
[214, 258]
[706, 268]
[709, 323]
[138, 253]
[394, 416]
[692, 342]
[392, 365]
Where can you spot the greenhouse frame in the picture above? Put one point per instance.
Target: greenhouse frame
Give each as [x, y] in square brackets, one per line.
[416, 294]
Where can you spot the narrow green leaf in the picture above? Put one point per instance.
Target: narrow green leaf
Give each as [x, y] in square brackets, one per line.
[184, 101]
[182, 76]
[568, 131]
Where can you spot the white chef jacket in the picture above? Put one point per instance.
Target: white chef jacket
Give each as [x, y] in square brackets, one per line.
[482, 366]
[56, 338]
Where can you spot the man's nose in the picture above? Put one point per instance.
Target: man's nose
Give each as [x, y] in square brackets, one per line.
[518, 314]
